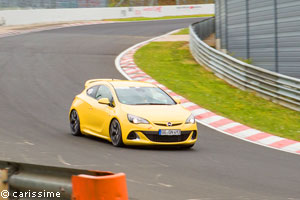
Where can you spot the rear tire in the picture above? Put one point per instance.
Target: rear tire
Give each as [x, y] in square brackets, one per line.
[75, 123]
[115, 133]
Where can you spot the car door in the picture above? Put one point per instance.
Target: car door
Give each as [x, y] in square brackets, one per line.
[86, 107]
[101, 113]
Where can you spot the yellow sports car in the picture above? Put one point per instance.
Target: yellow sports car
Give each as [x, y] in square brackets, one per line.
[131, 113]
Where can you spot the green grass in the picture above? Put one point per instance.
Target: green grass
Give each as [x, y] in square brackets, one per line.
[157, 18]
[172, 65]
[184, 31]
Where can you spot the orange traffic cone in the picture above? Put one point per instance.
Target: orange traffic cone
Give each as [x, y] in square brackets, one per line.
[107, 187]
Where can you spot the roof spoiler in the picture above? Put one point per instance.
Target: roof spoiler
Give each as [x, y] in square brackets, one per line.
[88, 82]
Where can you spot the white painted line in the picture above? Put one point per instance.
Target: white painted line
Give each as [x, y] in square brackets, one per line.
[212, 119]
[60, 158]
[165, 185]
[188, 104]
[270, 140]
[139, 78]
[199, 111]
[178, 97]
[293, 147]
[247, 133]
[150, 80]
[131, 70]
[230, 125]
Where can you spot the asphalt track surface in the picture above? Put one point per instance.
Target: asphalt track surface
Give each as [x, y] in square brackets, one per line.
[40, 73]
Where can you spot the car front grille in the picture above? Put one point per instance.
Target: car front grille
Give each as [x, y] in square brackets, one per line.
[154, 137]
[165, 124]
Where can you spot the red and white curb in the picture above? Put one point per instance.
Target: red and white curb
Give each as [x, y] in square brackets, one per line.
[127, 67]
[51, 27]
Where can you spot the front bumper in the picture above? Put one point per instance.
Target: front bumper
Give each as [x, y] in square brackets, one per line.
[148, 135]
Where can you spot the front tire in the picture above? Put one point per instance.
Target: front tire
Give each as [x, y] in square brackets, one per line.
[115, 133]
[75, 123]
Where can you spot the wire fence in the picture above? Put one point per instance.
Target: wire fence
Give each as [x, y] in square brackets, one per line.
[276, 87]
[34, 4]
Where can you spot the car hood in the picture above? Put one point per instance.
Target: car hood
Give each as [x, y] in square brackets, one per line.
[158, 113]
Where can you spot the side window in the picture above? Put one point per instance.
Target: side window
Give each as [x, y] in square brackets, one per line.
[104, 92]
[92, 91]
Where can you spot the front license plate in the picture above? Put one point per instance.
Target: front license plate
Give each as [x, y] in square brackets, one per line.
[169, 132]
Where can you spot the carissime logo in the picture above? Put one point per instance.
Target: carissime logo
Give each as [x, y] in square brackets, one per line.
[30, 194]
[4, 194]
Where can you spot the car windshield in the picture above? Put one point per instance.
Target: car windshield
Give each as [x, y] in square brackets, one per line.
[143, 96]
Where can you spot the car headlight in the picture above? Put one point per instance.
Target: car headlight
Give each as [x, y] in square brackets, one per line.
[136, 120]
[190, 119]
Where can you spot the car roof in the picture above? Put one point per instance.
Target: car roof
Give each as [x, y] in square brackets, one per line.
[118, 83]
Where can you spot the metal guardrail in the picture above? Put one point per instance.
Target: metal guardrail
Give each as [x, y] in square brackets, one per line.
[28, 181]
[278, 88]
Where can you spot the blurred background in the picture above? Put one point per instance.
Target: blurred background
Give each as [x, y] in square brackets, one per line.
[31, 4]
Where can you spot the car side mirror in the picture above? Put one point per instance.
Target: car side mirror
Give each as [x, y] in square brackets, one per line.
[177, 101]
[104, 101]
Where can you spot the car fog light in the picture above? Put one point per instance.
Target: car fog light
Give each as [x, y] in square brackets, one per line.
[133, 136]
[194, 136]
